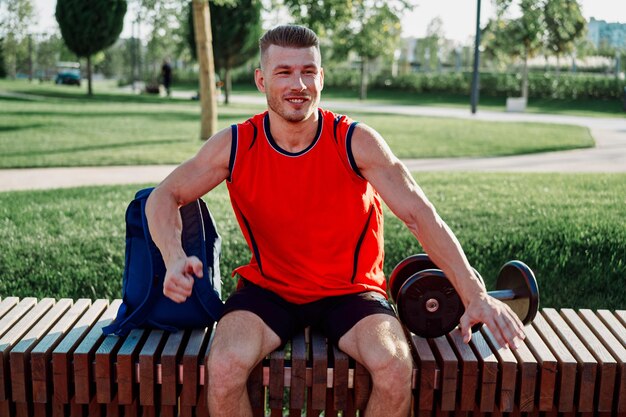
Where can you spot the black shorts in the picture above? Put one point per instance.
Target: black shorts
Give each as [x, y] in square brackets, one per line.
[333, 315]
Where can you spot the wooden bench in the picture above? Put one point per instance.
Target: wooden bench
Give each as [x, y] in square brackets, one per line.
[54, 361]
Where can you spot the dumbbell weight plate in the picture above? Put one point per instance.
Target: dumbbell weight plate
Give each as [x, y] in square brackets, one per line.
[428, 304]
[516, 278]
[405, 269]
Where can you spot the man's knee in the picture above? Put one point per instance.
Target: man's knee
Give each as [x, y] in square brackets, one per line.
[234, 353]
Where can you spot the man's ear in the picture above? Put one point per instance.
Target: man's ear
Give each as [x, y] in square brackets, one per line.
[321, 79]
[259, 80]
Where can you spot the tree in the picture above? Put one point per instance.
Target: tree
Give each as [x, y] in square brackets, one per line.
[521, 37]
[236, 30]
[90, 26]
[166, 19]
[374, 32]
[323, 17]
[16, 20]
[3, 71]
[565, 24]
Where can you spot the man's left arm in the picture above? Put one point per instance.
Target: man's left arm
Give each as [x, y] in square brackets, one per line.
[390, 177]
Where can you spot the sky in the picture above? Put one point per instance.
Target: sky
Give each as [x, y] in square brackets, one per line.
[458, 16]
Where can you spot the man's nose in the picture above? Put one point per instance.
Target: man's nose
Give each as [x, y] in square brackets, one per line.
[297, 83]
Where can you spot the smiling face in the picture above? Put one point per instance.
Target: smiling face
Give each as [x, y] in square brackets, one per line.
[292, 80]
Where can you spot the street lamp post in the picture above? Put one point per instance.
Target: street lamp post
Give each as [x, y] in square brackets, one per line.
[474, 94]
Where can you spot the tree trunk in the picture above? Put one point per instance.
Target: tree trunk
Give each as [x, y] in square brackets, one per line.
[558, 65]
[30, 58]
[525, 78]
[228, 84]
[363, 90]
[204, 50]
[89, 89]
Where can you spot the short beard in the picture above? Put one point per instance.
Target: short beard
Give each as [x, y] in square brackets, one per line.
[277, 107]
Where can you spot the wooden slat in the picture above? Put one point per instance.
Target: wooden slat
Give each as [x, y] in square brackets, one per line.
[298, 372]
[508, 372]
[125, 366]
[488, 365]
[5, 306]
[427, 377]
[11, 337]
[61, 355]
[341, 367]
[84, 354]
[147, 368]
[566, 363]
[587, 364]
[104, 372]
[41, 354]
[527, 368]
[547, 368]
[276, 380]
[468, 370]
[191, 378]
[611, 321]
[169, 367]
[448, 364]
[607, 366]
[14, 311]
[617, 349]
[204, 373]
[621, 315]
[20, 354]
[320, 364]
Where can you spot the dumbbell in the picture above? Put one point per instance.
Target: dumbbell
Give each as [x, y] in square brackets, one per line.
[429, 306]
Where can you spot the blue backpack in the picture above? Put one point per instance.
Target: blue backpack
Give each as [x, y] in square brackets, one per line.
[144, 304]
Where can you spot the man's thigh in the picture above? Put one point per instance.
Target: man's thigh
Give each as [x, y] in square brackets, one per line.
[269, 309]
[241, 337]
[348, 310]
[376, 341]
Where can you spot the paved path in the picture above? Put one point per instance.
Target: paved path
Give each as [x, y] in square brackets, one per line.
[609, 155]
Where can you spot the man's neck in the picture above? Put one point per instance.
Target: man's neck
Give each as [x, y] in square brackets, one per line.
[293, 136]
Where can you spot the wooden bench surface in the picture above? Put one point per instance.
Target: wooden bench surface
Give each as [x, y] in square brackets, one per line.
[55, 361]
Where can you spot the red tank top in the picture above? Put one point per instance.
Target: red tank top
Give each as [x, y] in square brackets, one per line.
[314, 225]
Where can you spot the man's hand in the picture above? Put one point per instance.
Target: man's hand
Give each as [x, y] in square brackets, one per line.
[179, 277]
[497, 316]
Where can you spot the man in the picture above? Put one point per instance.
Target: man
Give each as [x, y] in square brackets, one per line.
[166, 75]
[306, 187]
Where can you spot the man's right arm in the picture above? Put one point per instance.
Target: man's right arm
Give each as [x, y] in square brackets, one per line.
[191, 180]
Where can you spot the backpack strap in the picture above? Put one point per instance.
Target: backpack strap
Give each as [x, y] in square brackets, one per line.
[124, 323]
[198, 238]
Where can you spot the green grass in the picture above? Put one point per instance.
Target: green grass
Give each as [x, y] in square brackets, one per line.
[47, 125]
[568, 228]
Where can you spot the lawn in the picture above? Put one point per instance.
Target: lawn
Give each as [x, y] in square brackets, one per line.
[568, 228]
[47, 125]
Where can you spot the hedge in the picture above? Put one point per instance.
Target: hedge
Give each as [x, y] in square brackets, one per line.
[541, 85]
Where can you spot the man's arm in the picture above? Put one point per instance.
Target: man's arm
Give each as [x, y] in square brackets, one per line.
[405, 198]
[189, 181]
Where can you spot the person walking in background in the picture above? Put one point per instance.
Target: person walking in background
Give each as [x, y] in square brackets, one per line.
[166, 75]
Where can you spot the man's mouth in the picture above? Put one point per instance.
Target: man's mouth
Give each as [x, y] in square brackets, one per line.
[297, 100]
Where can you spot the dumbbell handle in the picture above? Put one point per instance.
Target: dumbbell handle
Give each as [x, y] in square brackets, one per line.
[503, 294]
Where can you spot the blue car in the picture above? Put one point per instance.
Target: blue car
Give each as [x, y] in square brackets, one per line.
[69, 77]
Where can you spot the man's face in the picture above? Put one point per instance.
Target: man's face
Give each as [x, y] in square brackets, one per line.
[292, 80]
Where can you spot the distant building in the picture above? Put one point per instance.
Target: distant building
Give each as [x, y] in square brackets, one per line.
[611, 34]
